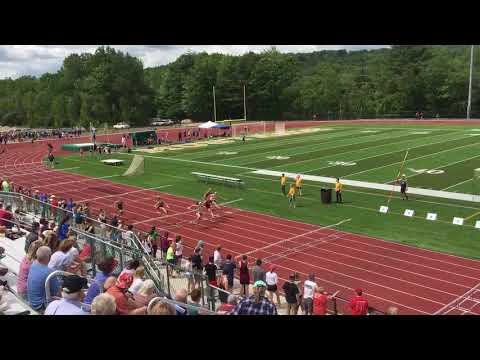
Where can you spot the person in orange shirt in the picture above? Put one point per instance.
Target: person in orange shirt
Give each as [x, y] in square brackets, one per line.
[338, 190]
[359, 304]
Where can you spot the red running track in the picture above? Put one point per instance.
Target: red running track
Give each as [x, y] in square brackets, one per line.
[417, 281]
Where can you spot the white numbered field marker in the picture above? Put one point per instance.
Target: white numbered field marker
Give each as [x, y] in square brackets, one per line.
[477, 224]
[409, 212]
[431, 216]
[342, 163]
[457, 221]
[384, 209]
[427, 171]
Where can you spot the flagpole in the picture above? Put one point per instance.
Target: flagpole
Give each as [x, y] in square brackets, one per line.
[244, 103]
[214, 106]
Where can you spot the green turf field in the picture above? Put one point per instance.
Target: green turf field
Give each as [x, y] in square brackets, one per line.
[440, 158]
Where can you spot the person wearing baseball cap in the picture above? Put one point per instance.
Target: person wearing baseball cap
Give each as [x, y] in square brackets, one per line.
[359, 304]
[124, 300]
[257, 304]
[72, 296]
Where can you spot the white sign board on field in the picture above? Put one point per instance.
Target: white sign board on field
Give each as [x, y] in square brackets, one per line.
[408, 212]
[477, 224]
[384, 209]
[457, 221]
[431, 216]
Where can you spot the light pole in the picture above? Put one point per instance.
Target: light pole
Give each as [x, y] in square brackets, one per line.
[469, 105]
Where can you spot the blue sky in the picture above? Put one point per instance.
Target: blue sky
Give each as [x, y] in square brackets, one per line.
[19, 60]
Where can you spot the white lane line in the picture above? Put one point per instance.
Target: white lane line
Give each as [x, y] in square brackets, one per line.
[294, 237]
[75, 181]
[179, 214]
[41, 171]
[122, 194]
[473, 289]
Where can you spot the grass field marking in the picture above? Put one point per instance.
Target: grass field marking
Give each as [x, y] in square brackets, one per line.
[182, 213]
[75, 181]
[333, 142]
[293, 237]
[261, 144]
[390, 152]
[329, 148]
[473, 215]
[399, 214]
[197, 162]
[123, 194]
[371, 194]
[418, 157]
[460, 183]
[444, 166]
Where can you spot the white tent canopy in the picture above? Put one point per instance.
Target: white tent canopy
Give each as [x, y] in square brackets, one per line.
[208, 125]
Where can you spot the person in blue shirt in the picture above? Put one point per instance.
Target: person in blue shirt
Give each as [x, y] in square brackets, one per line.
[106, 267]
[37, 276]
[63, 231]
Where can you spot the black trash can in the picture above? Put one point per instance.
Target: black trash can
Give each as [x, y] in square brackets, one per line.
[326, 195]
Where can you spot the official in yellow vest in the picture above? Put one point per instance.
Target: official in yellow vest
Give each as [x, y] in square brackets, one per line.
[283, 181]
[338, 190]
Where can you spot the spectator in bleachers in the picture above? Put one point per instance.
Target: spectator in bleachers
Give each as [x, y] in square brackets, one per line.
[63, 229]
[125, 303]
[25, 266]
[196, 296]
[145, 294]
[106, 267]
[6, 217]
[32, 235]
[37, 275]
[51, 241]
[200, 246]
[244, 276]
[178, 249]
[181, 296]
[292, 295]
[72, 296]
[258, 272]
[392, 310]
[137, 283]
[309, 288]
[272, 284]
[103, 304]
[132, 265]
[229, 267]
[5, 185]
[227, 307]
[162, 308]
[153, 239]
[359, 304]
[257, 304]
[111, 281]
[164, 243]
[211, 272]
[60, 259]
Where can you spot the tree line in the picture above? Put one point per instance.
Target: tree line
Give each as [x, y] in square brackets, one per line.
[110, 86]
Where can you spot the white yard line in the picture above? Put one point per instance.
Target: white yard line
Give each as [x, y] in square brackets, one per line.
[122, 194]
[369, 185]
[460, 183]
[443, 166]
[386, 153]
[473, 289]
[419, 157]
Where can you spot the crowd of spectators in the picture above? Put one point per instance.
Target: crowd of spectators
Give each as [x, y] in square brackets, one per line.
[22, 135]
